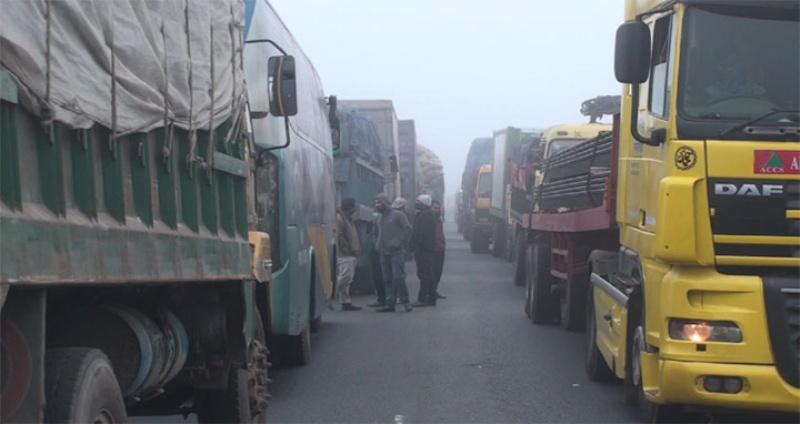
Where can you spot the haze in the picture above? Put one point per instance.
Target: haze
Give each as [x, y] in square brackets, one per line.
[462, 69]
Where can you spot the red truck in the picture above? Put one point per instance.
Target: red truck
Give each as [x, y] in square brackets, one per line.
[572, 214]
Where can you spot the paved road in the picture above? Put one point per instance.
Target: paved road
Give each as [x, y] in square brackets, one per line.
[473, 358]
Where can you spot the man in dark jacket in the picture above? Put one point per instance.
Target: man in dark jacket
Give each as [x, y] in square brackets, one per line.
[393, 232]
[438, 251]
[423, 243]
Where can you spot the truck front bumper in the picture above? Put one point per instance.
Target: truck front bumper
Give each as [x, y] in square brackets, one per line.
[763, 389]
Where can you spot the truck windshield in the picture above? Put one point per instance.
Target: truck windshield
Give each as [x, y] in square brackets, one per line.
[559, 145]
[485, 185]
[740, 63]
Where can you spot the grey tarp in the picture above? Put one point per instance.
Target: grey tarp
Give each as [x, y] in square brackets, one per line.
[175, 59]
[360, 139]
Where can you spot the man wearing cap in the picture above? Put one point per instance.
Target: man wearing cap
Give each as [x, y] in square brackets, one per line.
[423, 244]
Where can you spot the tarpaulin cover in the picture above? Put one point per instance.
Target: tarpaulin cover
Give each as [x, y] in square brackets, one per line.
[360, 139]
[134, 62]
[431, 173]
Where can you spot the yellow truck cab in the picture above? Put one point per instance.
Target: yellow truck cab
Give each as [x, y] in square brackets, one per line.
[558, 138]
[702, 305]
[481, 227]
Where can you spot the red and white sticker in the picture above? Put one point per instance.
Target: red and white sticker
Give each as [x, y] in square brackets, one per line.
[780, 162]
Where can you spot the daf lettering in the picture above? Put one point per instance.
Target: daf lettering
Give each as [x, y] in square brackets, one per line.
[728, 189]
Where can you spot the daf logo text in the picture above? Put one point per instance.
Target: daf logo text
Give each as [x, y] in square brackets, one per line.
[729, 189]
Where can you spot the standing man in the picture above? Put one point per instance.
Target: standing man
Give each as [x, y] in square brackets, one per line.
[393, 232]
[348, 247]
[439, 247]
[375, 265]
[423, 243]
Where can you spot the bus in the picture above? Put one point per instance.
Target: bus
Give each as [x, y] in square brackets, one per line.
[294, 194]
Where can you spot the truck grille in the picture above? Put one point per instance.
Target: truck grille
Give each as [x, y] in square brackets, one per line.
[782, 296]
[755, 223]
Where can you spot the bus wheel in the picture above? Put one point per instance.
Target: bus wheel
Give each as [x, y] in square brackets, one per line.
[80, 387]
[298, 349]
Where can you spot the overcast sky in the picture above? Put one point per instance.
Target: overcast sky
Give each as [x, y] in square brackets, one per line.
[462, 68]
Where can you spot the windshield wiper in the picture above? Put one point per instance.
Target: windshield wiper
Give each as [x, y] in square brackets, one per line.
[738, 127]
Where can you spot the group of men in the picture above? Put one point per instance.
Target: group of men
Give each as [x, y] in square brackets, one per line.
[394, 237]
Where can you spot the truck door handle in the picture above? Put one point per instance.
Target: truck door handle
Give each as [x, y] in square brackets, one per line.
[607, 317]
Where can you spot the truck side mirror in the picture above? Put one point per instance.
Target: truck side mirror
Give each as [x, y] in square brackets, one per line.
[333, 117]
[632, 53]
[283, 86]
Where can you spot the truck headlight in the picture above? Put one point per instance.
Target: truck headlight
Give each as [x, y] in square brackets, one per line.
[699, 331]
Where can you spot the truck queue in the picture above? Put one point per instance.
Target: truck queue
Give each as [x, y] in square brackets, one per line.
[671, 236]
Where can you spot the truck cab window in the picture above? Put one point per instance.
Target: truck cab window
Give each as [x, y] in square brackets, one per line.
[739, 63]
[661, 71]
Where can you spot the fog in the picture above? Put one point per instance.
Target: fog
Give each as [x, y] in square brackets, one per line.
[462, 68]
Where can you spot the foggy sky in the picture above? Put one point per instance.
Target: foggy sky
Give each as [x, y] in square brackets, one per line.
[462, 68]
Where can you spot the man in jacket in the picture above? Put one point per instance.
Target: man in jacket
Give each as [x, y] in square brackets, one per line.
[393, 232]
[348, 248]
[423, 243]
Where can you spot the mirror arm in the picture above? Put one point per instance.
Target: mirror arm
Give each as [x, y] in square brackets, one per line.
[635, 118]
[288, 138]
[268, 41]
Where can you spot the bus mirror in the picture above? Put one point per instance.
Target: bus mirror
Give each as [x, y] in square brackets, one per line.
[283, 86]
[333, 117]
[632, 53]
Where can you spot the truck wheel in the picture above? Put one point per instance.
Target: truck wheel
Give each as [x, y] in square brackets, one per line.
[80, 387]
[648, 412]
[573, 303]
[520, 266]
[498, 241]
[542, 299]
[528, 280]
[596, 366]
[247, 396]
[474, 245]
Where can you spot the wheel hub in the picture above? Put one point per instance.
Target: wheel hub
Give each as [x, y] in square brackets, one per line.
[258, 378]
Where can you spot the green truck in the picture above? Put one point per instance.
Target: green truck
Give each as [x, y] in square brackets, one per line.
[135, 265]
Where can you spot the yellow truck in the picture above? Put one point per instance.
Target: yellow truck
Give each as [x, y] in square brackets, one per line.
[700, 306]
[480, 223]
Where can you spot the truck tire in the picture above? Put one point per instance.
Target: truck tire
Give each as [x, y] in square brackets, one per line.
[473, 244]
[236, 405]
[543, 301]
[80, 387]
[573, 303]
[596, 367]
[498, 240]
[520, 263]
[528, 281]
[634, 390]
